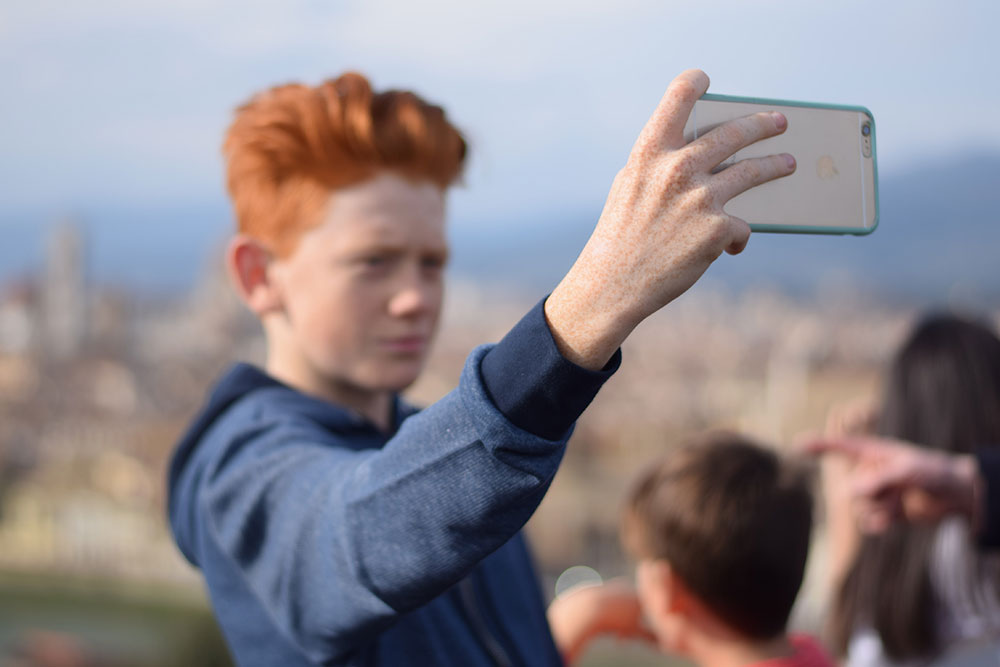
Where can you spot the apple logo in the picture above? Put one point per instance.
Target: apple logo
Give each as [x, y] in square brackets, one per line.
[825, 168]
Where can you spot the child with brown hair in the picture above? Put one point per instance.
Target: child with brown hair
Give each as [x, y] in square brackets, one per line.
[721, 530]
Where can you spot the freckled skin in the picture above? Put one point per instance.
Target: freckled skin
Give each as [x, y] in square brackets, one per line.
[662, 225]
[350, 314]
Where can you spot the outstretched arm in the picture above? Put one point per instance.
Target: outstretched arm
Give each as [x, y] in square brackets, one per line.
[662, 226]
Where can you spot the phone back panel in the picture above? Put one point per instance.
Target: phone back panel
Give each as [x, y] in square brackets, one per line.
[834, 189]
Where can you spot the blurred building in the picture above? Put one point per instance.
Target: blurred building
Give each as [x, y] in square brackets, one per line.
[64, 293]
[17, 318]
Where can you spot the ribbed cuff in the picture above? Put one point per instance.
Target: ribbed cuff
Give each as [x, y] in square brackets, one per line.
[533, 385]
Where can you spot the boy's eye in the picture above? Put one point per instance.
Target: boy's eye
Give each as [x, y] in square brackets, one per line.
[373, 261]
[433, 263]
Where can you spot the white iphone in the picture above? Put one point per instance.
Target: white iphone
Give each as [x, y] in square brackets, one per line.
[834, 189]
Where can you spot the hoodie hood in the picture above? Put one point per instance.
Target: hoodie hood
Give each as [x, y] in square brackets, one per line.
[239, 381]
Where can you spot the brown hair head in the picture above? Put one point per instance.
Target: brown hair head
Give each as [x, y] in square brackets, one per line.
[941, 391]
[291, 145]
[734, 523]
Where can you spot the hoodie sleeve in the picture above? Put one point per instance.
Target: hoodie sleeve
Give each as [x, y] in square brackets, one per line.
[336, 543]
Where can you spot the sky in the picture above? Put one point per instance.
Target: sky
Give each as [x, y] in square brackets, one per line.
[125, 103]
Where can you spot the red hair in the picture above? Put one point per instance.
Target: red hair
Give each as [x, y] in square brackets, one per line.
[291, 145]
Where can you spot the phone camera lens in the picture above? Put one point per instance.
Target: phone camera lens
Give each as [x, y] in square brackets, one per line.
[866, 129]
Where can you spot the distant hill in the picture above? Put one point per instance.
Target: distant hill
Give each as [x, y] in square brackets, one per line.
[160, 248]
[939, 232]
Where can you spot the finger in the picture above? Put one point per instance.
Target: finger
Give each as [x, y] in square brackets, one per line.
[740, 236]
[751, 172]
[851, 446]
[721, 142]
[881, 484]
[817, 445]
[665, 128]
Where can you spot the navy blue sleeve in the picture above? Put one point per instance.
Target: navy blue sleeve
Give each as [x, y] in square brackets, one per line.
[989, 467]
[533, 385]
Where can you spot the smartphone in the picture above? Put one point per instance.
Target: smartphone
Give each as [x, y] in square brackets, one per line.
[834, 189]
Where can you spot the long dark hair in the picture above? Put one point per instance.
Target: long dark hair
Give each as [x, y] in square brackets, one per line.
[943, 392]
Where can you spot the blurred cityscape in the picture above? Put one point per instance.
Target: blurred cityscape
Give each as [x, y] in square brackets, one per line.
[97, 384]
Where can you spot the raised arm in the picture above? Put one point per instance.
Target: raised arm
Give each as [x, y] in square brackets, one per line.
[662, 226]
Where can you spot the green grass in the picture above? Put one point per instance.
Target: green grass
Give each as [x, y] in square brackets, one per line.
[110, 622]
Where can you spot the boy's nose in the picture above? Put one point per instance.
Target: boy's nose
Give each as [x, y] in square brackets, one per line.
[414, 298]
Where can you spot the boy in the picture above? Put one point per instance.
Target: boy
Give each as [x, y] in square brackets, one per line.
[721, 531]
[333, 524]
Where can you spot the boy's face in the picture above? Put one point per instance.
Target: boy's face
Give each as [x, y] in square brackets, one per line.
[362, 291]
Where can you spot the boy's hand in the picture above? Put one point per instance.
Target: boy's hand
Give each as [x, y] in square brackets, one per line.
[663, 224]
[584, 613]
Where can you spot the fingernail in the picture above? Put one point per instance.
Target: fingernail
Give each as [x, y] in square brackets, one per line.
[790, 161]
[779, 120]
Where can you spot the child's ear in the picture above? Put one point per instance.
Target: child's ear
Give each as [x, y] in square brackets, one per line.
[665, 602]
[669, 595]
[654, 579]
[248, 262]
[682, 600]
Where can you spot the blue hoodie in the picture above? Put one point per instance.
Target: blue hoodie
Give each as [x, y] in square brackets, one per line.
[325, 541]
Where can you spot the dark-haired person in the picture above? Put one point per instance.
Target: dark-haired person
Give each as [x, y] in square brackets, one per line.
[935, 484]
[922, 591]
[721, 531]
[334, 523]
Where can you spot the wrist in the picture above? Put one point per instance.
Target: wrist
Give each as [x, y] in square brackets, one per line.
[586, 326]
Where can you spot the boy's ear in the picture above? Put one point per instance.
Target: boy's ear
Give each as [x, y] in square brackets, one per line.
[248, 262]
[665, 605]
[669, 593]
[654, 581]
[682, 600]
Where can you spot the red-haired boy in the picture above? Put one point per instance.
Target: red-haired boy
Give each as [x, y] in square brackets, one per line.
[335, 524]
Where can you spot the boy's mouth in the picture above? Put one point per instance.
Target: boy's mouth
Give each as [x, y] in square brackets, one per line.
[405, 344]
